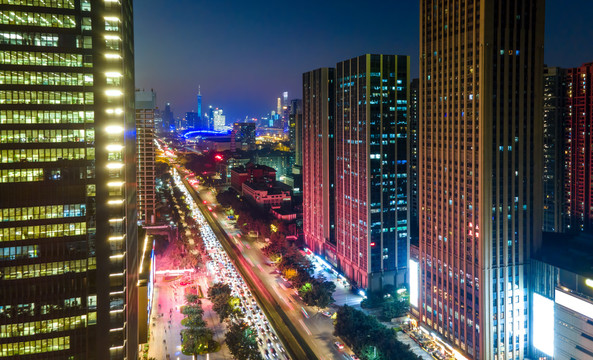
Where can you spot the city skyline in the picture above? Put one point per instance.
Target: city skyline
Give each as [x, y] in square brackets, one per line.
[252, 34]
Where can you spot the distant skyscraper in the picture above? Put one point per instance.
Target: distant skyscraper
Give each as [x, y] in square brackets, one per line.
[554, 114]
[200, 124]
[210, 118]
[480, 172]
[68, 230]
[244, 135]
[192, 120]
[279, 107]
[578, 166]
[371, 169]
[168, 117]
[295, 130]
[318, 150]
[219, 120]
[413, 161]
[145, 155]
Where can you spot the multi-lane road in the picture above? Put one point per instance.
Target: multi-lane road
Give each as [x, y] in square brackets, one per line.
[307, 326]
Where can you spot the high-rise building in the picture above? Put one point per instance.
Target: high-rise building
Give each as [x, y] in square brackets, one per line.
[68, 231]
[578, 164]
[554, 114]
[218, 120]
[200, 115]
[295, 130]
[192, 120]
[480, 172]
[169, 118]
[413, 161]
[145, 155]
[318, 162]
[371, 169]
[244, 135]
[279, 106]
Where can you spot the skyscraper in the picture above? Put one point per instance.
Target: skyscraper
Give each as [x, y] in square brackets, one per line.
[578, 165]
[318, 162]
[168, 117]
[295, 129]
[200, 115]
[219, 120]
[145, 154]
[68, 232]
[480, 171]
[413, 161]
[371, 169]
[554, 115]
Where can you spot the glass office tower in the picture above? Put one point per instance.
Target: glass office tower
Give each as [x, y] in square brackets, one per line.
[68, 238]
[372, 242]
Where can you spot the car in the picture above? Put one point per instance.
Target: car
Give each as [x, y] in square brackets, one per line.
[269, 342]
[339, 345]
[326, 313]
[260, 341]
[273, 352]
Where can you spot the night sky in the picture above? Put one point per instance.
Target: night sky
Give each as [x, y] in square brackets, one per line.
[244, 54]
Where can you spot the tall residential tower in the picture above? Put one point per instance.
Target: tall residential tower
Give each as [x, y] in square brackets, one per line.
[480, 171]
[68, 232]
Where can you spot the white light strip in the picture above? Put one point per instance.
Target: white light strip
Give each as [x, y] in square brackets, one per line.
[115, 165]
[115, 183]
[116, 311]
[116, 347]
[414, 282]
[116, 220]
[116, 293]
[113, 92]
[575, 304]
[543, 324]
[113, 74]
[111, 18]
[114, 147]
[115, 202]
[143, 253]
[112, 37]
[113, 56]
[115, 238]
[589, 282]
[114, 129]
[116, 329]
[118, 256]
[118, 274]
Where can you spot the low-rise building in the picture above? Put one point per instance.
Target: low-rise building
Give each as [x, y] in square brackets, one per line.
[253, 173]
[562, 298]
[267, 195]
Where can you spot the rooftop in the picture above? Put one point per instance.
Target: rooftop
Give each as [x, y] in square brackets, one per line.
[572, 252]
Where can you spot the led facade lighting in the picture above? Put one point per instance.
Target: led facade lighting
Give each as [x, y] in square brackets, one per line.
[574, 303]
[114, 129]
[114, 93]
[115, 165]
[543, 324]
[414, 286]
[114, 147]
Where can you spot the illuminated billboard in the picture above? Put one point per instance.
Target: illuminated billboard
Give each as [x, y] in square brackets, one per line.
[574, 303]
[543, 324]
[414, 281]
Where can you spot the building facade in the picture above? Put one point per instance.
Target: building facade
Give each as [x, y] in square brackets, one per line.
[68, 233]
[562, 298]
[480, 171]
[554, 114]
[413, 161]
[145, 154]
[371, 169]
[244, 135]
[318, 151]
[578, 161]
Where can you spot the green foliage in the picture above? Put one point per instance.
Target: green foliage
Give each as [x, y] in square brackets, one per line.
[242, 343]
[222, 302]
[218, 289]
[196, 338]
[394, 309]
[318, 293]
[361, 332]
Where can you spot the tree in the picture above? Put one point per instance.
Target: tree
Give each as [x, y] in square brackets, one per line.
[196, 338]
[318, 293]
[394, 309]
[219, 288]
[241, 340]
